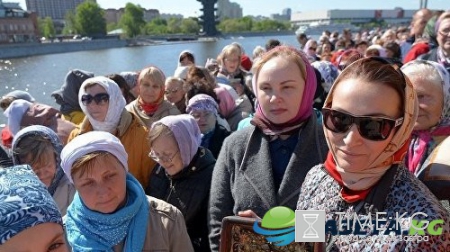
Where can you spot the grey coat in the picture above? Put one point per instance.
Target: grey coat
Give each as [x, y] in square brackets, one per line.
[243, 178]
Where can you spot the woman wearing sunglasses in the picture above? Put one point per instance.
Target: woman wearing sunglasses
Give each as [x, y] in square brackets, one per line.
[104, 105]
[368, 117]
[183, 176]
[262, 166]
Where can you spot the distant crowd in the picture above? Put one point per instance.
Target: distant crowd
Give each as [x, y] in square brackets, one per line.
[152, 161]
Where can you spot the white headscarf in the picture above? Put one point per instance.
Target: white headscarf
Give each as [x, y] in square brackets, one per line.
[91, 142]
[115, 107]
[15, 112]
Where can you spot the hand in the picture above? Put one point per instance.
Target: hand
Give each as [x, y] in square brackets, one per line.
[249, 214]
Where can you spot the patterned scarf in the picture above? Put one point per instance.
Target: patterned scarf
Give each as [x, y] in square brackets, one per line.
[88, 230]
[394, 153]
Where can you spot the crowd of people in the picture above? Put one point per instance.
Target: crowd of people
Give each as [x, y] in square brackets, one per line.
[137, 161]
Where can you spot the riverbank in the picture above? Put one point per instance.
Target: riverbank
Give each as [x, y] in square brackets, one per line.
[9, 51]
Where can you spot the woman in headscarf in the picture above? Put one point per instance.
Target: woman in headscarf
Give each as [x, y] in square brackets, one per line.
[8, 98]
[204, 110]
[102, 101]
[183, 177]
[261, 166]
[110, 211]
[22, 114]
[363, 174]
[67, 96]
[432, 84]
[311, 50]
[40, 147]
[30, 219]
[228, 108]
[150, 105]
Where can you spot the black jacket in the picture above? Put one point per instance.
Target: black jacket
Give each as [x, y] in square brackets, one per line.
[216, 141]
[189, 192]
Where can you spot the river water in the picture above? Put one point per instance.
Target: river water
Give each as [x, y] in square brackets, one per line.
[41, 75]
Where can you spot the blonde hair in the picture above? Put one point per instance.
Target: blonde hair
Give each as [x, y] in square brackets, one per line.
[86, 163]
[229, 50]
[154, 74]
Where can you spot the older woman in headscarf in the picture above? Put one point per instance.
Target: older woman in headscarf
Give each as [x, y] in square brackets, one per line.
[204, 109]
[183, 177]
[29, 219]
[67, 96]
[110, 211]
[150, 105]
[22, 114]
[311, 50]
[40, 147]
[261, 166]
[432, 84]
[363, 174]
[102, 101]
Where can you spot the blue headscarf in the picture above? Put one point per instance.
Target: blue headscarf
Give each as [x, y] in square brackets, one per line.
[89, 230]
[24, 202]
[49, 134]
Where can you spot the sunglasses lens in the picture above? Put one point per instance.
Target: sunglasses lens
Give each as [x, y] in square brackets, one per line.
[375, 129]
[336, 121]
[86, 99]
[99, 99]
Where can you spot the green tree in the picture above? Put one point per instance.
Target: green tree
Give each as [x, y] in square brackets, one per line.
[112, 26]
[46, 27]
[189, 26]
[132, 20]
[156, 27]
[90, 19]
[173, 25]
[70, 23]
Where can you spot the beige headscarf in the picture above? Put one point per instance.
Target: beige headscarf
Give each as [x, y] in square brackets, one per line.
[393, 154]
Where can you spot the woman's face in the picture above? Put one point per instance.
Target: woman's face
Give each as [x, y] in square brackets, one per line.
[360, 98]
[280, 87]
[102, 188]
[326, 48]
[97, 111]
[40, 238]
[232, 62]
[174, 91]
[206, 120]
[165, 149]
[45, 168]
[431, 102]
[149, 90]
[443, 35]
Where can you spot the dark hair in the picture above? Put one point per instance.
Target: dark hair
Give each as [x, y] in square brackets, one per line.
[376, 70]
[395, 48]
[198, 87]
[197, 73]
[123, 85]
[187, 55]
[272, 43]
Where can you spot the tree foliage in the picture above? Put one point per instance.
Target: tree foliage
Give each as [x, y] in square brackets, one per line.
[70, 23]
[90, 19]
[248, 24]
[46, 27]
[156, 27]
[132, 21]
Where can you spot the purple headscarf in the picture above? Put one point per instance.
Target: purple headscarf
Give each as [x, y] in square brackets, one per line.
[202, 102]
[306, 107]
[187, 134]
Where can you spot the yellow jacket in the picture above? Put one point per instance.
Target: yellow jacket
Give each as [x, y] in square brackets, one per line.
[133, 136]
[75, 117]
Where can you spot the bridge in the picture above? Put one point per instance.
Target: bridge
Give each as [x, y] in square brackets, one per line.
[209, 19]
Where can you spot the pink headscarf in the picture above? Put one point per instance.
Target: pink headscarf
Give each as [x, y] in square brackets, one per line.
[226, 102]
[306, 107]
[187, 134]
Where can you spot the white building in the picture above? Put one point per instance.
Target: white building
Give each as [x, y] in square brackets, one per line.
[395, 16]
[227, 9]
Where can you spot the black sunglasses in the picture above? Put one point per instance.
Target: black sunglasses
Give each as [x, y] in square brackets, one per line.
[100, 99]
[374, 128]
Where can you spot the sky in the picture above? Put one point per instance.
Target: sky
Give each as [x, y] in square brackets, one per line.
[266, 7]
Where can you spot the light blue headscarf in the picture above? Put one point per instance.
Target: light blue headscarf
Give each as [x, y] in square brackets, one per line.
[24, 202]
[89, 230]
